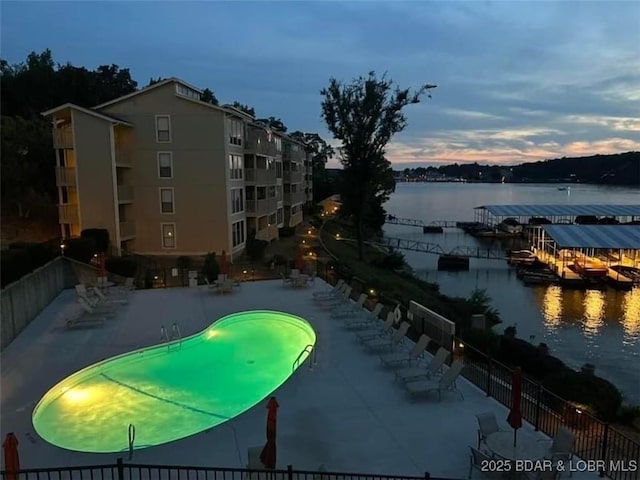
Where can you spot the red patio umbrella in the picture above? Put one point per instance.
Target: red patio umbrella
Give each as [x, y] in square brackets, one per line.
[299, 261]
[224, 267]
[268, 455]
[11, 458]
[515, 415]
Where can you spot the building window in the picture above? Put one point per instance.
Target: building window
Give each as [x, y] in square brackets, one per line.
[272, 219]
[236, 167]
[187, 92]
[236, 131]
[166, 200]
[278, 169]
[294, 147]
[278, 144]
[272, 191]
[280, 214]
[165, 165]
[237, 200]
[163, 128]
[168, 235]
[237, 233]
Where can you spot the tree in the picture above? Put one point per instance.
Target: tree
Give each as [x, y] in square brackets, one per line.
[274, 123]
[209, 97]
[244, 108]
[153, 81]
[364, 115]
[320, 152]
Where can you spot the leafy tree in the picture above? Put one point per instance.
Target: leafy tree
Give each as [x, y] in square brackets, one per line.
[244, 108]
[274, 123]
[364, 115]
[209, 97]
[320, 152]
[153, 81]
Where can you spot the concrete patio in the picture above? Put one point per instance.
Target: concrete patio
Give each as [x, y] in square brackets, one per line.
[346, 414]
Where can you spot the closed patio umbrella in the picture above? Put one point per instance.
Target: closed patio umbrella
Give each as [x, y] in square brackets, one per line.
[268, 455]
[224, 267]
[11, 458]
[299, 261]
[515, 414]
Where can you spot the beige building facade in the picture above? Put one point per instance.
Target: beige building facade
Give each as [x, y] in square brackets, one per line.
[167, 174]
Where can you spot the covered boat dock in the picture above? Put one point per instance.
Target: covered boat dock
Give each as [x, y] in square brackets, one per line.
[492, 215]
[590, 251]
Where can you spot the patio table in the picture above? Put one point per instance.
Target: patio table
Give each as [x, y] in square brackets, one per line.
[527, 447]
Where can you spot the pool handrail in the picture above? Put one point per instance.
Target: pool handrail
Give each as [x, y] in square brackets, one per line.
[308, 349]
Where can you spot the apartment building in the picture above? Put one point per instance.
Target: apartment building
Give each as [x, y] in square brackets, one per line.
[167, 174]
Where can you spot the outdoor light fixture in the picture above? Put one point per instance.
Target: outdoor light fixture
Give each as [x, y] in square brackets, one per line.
[308, 232]
[372, 291]
[337, 236]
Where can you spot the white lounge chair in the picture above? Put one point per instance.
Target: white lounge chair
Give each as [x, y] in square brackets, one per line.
[285, 281]
[107, 310]
[324, 293]
[343, 299]
[109, 300]
[396, 339]
[364, 319]
[435, 366]
[380, 331]
[83, 292]
[446, 383]
[395, 359]
[82, 318]
[344, 311]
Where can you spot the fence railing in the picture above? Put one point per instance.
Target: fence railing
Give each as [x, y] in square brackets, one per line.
[595, 440]
[125, 471]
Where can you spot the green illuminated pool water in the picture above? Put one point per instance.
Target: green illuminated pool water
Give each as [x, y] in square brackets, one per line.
[172, 391]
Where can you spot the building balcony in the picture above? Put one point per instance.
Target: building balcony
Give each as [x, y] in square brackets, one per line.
[291, 156]
[63, 137]
[257, 141]
[66, 176]
[267, 234]
[68, 213]
[293, 198]
[125, 194]
[260, 176]
[127, 230]
[262, 207]
[123, 158]
[295, 219]
[292, 176]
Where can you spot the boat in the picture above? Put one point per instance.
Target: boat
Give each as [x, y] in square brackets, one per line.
[589, 267]
[510, 226]
[630, 272]
[521, 257]
[564, 189]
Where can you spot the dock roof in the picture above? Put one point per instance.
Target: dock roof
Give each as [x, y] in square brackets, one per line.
[562, 210]
[625, 237]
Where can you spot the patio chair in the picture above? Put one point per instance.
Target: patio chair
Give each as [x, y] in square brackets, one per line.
[83, 292]
[108, 300]
[487, 424]
[343, 299]
[123, 291]
[394, 359]
[447, 383]
[226, 286]
[562, 446]
[372, 333]
[285, 281]
[478, 461]
[396, 339]
[434, 368]
[344, 311]
[210, 285]
[107, 310]
[363, 319]
[82, 318]
[329, 292]
[332, 296]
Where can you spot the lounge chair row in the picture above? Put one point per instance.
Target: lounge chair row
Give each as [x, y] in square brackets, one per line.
[95, 305]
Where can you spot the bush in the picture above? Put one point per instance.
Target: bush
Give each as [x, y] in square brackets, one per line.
[487, 341]
[100, 237]
[22, 258]
[123, 266]
[600, 395]
[211, 269]
[532, 359]
[255, 248]
[183, 262]
[80, 249]
[286, 232]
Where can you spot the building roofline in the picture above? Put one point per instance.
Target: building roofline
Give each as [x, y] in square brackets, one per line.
[93, 113]
[212, 106]
[145, 90]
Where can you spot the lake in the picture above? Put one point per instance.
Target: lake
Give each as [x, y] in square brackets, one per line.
[579, 326]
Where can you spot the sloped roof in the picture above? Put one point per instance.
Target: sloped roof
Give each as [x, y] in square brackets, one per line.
[625, 237]
[102, 116]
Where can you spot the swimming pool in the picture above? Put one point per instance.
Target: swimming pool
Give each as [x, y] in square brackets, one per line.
[177, 389]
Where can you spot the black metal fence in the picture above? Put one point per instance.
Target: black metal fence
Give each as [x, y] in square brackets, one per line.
[595, 439]
[125, 471]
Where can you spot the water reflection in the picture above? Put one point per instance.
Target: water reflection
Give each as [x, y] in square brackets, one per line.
[631, 316]
[552, 307]
[593, 312]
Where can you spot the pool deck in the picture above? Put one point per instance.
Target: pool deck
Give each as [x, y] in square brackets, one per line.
[345, 415]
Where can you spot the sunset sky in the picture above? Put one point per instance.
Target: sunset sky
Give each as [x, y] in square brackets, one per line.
[517, 81]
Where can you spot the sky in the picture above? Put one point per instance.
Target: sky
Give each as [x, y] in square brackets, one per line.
[517, 81]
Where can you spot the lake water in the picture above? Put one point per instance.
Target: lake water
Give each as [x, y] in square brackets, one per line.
[592, 326]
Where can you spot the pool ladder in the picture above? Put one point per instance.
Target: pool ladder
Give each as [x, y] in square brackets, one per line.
[175, 335]
[311, 352]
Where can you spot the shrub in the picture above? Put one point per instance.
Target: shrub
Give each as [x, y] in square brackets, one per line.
[600, 395]
[123, 266]
[80, 249]
[286, 232]
[183, 262]
[211, 269]
[255, 248]
[100, 237]
[487, 341]
[532, 359]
